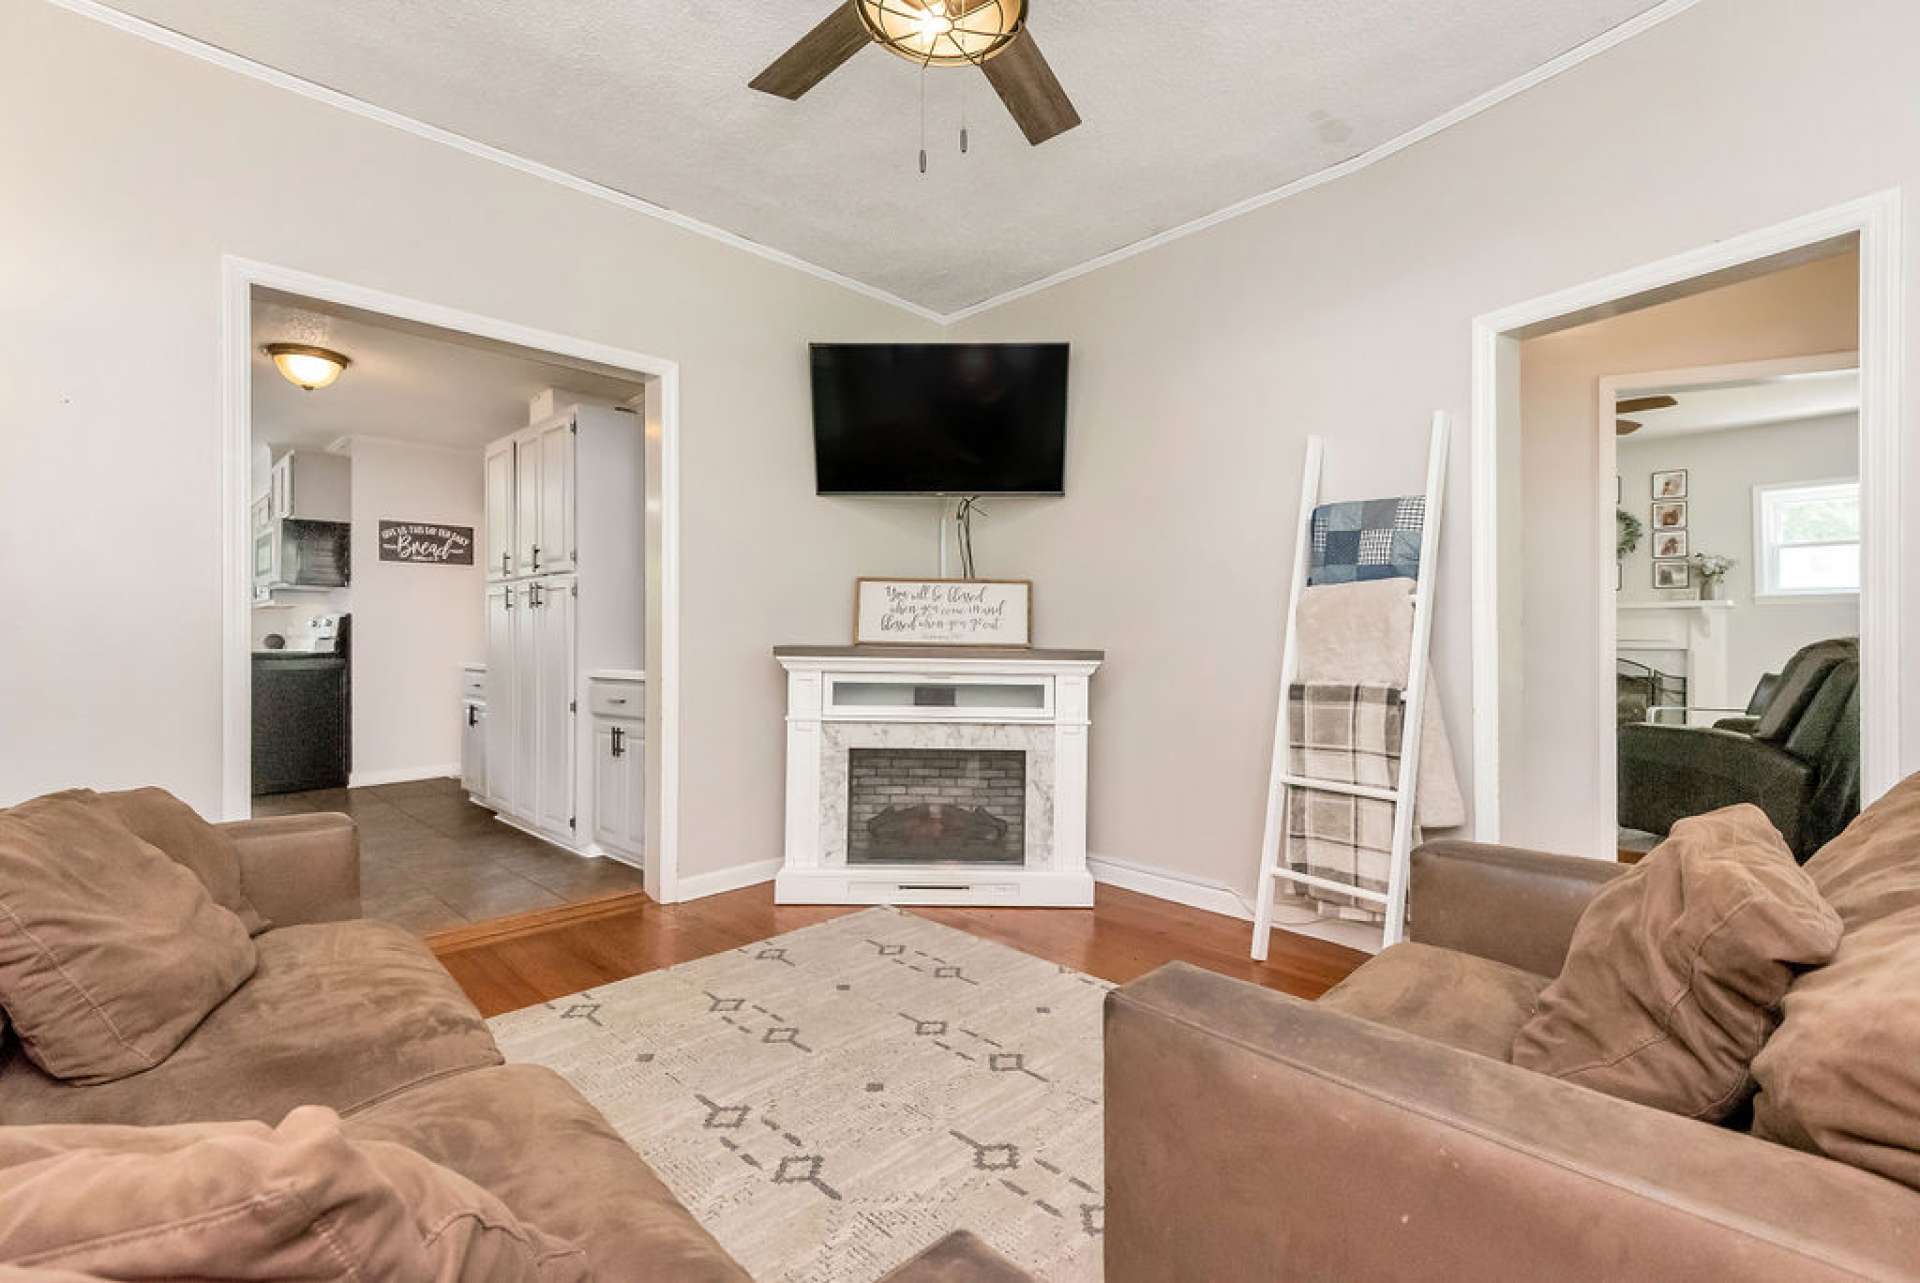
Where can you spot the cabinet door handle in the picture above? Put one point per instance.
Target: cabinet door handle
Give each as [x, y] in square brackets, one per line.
[536, 556]
[619, 742]
[506, 562]
[508, 594]
[473, 717]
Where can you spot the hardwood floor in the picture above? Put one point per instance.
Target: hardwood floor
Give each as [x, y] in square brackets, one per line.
[516, 962]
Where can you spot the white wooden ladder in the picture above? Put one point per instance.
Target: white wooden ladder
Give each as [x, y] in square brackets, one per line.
[1274, 842]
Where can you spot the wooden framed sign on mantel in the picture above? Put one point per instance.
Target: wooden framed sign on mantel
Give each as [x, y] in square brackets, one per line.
[988, 613]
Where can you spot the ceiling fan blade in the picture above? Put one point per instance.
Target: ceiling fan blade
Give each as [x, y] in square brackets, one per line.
[1027, 85]
[816, 55]
[1625, 427]
[1635, 404]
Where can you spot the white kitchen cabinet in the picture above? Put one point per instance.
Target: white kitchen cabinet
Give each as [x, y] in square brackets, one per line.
[501, 722]
[566, 505]
[526, 504]
[499, 491]
[619, 767]
[311, 486]
[554, 549]
[473, 747]
[551, 604]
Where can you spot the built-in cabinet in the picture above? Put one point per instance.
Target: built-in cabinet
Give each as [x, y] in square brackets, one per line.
[618, 705]
[473, 730]
[566, 594]
[310, 485]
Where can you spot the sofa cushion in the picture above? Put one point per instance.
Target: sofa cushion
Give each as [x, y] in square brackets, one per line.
[160, 819]
[1872, 870]
[242, 1200]
[110, 953]
[1841, 1076]
[339, 1014]
[523, 1133]
[1678, 966]
[960, 1257]
[1441, 994]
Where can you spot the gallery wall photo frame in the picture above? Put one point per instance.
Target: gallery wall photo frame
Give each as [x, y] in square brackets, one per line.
[1669, 545]
[968, 614]
[1669, 574]
[1669, 516]
[1670, 484]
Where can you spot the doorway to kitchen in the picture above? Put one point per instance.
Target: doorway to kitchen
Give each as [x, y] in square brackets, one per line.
[368, 668]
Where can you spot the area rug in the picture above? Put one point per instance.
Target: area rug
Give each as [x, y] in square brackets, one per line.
[830, 1101]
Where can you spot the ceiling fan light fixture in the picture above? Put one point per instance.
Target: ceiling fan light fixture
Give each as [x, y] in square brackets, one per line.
[943, 33]
[305, 366]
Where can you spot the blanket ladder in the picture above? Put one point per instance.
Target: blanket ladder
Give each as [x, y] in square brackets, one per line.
[1274, 842]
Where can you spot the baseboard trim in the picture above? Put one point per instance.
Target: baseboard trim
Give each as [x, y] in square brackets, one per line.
[476, 935]
[401, 775]
[702, 885]
[1195, 893]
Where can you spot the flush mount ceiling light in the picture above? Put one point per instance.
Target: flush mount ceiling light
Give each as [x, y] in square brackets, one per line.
[944, 33]
[306, 367]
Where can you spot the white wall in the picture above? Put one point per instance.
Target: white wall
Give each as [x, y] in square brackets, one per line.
[413, 625]
[129, 171]
[1200, 367]
[1722, 470]
[1553, 793]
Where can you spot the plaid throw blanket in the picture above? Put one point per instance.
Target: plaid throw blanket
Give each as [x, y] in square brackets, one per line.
[1345, 735]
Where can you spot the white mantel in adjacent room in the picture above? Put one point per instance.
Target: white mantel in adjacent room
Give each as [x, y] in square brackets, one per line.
[914, 710]
[1685, 638]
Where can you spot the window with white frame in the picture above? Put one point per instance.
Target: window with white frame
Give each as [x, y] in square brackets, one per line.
[1806, 539]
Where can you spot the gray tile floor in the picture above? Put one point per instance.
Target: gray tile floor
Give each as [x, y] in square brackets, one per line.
[430, 859]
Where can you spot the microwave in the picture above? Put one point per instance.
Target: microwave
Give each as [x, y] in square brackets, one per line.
[292, 553]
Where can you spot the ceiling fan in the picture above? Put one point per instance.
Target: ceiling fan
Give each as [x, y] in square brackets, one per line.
[989, 34]
[1638, 405]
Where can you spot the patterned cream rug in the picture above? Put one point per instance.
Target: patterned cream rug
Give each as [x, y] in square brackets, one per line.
[830, 1101]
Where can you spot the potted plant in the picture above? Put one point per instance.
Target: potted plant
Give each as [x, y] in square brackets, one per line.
[1710, 566]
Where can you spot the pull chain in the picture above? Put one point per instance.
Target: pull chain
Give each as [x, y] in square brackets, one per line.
[963, 118]
[923, 117]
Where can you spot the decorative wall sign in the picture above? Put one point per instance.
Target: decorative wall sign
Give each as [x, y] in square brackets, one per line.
[426, 542]
[943, 612]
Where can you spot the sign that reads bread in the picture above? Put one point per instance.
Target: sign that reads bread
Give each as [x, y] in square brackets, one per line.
[426, 542]
[943, 612]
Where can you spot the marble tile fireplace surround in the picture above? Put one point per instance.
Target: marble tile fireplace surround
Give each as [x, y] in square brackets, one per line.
[918, 775]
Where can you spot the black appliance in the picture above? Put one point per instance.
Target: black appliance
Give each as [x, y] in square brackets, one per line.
[939, 418]
[302, 717]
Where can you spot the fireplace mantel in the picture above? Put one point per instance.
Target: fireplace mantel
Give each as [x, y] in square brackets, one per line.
[908, 699]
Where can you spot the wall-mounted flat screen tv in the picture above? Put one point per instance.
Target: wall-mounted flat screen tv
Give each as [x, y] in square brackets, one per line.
[940, 418]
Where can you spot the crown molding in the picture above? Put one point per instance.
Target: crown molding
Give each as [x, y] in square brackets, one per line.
[181, 43]
[1546, 71]
[168, 38]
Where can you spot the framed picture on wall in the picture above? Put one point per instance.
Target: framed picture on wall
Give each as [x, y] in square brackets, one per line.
[1671, 484]
[1669, 574]
[1668, 544]
[1669, 516]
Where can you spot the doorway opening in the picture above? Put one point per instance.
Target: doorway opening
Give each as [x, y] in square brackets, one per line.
[373, 661]
[1546, 757]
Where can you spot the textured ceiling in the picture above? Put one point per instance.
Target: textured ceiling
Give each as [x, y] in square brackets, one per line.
[409, 383]
[1189, 108]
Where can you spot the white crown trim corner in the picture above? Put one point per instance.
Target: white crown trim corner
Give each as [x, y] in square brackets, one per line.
[182, 43]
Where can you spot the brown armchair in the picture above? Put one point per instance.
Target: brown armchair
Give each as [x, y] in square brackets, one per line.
[1377, 1134]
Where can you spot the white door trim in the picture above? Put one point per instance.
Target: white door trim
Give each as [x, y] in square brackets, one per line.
[1607, 461]
[238, 277]
[1876, 220]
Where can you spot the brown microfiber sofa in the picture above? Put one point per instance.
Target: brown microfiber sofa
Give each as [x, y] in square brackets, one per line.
[358, 1016]
[1381, 1133]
